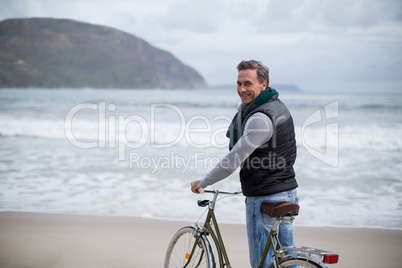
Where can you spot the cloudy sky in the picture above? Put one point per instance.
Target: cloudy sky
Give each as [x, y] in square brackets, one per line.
[318, 45]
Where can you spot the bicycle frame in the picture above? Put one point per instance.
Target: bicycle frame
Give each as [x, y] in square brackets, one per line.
[211, 228]
[270, 243]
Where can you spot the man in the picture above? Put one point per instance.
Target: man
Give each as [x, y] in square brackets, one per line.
[262, 142]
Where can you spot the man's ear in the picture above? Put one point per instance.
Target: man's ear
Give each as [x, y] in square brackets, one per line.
[264, 84]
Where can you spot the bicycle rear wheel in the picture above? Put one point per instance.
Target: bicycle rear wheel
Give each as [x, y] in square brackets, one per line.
[180, 247]
[298, 262]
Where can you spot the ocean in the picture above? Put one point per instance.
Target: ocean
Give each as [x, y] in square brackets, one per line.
[134, 153]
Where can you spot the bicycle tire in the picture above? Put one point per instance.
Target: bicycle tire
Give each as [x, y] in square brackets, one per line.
[298, 262]
[180, 247]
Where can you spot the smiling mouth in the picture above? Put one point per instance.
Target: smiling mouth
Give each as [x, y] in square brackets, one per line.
[244, 96]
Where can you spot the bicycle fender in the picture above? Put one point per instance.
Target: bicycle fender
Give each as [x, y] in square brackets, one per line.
[306, 257]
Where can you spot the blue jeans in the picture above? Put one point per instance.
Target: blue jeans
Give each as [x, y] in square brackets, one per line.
[259, 226]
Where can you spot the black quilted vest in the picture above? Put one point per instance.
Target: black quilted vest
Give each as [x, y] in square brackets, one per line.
[269, 169]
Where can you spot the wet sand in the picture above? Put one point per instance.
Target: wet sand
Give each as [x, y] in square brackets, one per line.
[53, 240]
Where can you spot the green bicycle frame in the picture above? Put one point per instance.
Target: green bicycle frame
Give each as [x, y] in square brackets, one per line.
[273, 234]
[211, 226]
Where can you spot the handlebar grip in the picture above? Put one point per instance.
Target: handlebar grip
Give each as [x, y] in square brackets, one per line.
[200, 190]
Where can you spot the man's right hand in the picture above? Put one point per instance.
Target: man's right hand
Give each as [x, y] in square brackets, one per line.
[195, 185]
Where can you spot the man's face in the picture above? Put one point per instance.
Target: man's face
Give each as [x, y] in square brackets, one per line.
[248, 86]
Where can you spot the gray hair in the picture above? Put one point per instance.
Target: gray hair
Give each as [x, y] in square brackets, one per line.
[262, 71]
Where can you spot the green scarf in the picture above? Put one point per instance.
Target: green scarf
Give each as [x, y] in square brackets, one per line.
[235, 129]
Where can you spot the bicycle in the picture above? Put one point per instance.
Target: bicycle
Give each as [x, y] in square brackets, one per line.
[191, 246]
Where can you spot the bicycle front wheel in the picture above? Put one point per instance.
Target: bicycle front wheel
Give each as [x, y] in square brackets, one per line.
[182, 244]
[298, 262]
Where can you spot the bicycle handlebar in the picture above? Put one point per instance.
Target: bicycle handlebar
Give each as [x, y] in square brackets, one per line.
[201, 190]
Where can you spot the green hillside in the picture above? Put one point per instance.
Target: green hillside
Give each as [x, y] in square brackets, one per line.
[55, 53]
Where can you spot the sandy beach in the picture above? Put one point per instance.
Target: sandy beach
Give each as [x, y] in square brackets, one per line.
[52, 240]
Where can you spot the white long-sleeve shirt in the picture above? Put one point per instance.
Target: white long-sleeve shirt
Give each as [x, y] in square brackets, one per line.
[257, 131]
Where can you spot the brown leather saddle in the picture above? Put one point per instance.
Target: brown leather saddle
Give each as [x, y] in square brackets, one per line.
[279, 209]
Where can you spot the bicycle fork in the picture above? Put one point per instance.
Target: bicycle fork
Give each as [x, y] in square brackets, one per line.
[197, 237]
[210, 228]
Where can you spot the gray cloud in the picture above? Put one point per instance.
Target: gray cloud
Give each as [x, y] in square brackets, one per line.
[195, 16]
[316, 15]
[313, 43]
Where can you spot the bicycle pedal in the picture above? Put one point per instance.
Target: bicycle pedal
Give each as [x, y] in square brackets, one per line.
[203, 203]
